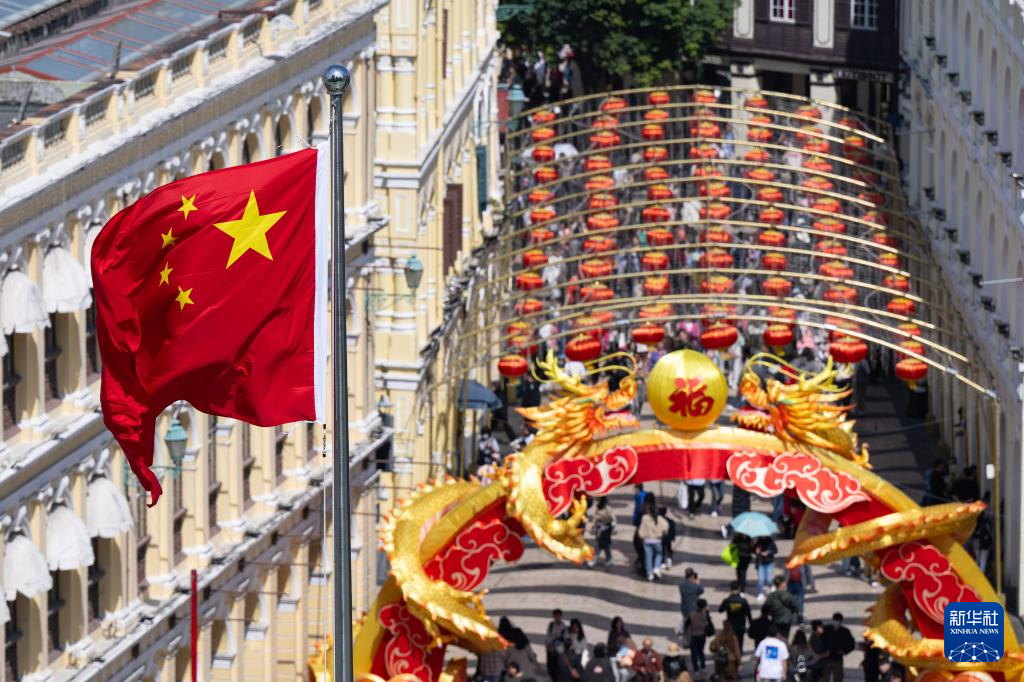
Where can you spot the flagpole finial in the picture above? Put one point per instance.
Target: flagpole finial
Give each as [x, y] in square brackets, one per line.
[336, 79]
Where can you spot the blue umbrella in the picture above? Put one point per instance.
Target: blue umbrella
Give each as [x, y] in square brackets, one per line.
[754, 524]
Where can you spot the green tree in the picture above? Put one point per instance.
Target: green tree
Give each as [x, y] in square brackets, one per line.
[643, 42]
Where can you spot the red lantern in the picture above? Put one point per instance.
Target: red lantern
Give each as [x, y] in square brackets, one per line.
[528, 281]
[816, 163]
[543, 116]
[762, 174]
[756, 155]
[513, 366]
[606, 122]
[540, 195]
[659, 237]
[771, 238]
[704, 97]
[876, 217]
[542, 214]
[910, 329]
[715, 189]
[857, 156]
[848, 350]
[602, 221]
[545, 174]
[843, 328]
[853, 143]
[602, 200]
[707, 170]
[653, 261]
[776, 286]
[543, 153]
[850, 123]
[897, 282]
[876, 198]
[841, 293]
[542, 134]
[771, 215]
[716, 210]
[653, 173]
[658, 98]
[655, 311]
[778, 336]
[716, 258]
[523, 344]
[760, 119]
[528, 306]
[597, 162]
[613, 104]
[901, 306]
[830, 225]
[655, 154]
[518, 327]
[596, 293]
[808, 110]
[648, 334]
[655, 286]
[773, 260]
[827, 204]
[590, 326]
[911, 346]
[911, 370]
[816, 146]
[831, 247]
[759, 134]
[599, 182]
[655, 214]
[583, 349]
[808, 132]
[534, 258]
[705, 129]
[659, 192]
[717, 235]
[540, 235]
[891, 260]
[756, 102]
[598, 244]
[653, 132]
[719, 336]
[818, 183]
[835, 268]
[771, 194]
[787, 314]
[603, 139]
[595, 267]
[716, 284]
[704, 151]
[885, 239]
[655, 115]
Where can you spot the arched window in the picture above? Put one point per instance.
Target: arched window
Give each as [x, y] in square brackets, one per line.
[284, 141]
[315, 123]
[217, 161]
[251, 149]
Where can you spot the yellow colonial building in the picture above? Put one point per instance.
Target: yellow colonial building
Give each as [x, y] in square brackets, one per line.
[96, 586]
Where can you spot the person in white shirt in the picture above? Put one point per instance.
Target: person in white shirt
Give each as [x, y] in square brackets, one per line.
[771, 655]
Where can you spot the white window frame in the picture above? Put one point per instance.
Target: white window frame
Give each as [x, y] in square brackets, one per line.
[868, 15]
[783, 11]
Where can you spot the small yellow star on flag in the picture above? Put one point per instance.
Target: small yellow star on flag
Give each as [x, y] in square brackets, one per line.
[165, 274]
[188, 204]
[168, 238]
[184, 298]
[250, 231]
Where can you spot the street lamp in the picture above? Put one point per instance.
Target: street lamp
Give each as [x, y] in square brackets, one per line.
[413, 273]
[384, 410]
[176, 439]
[516, 101]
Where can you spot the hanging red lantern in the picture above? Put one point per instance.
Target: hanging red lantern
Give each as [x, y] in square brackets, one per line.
[613, 103]
[831, 247]
[602, 200]
[897, 282]
[655, 286]
[655, 311]
[848, 122]
[542, 134]
[756, 102]
[773, 260]
[778, 336]
[776, 286]
[596, 163]
[808, 110]
[659, 237]
[756, 155]
[540, 195]
[771, 194]
[595, 267]
[817, 146]
[808, 132]
[836, 268]
[848, 350]
[603, 139]
[865, 176]
[816, 163]
[707, 170]
[528, 281]
[762, 174]
[704, 151]
[816, 182]
[716, 210]
[599, 182]
[652, 132]
[877, 217]
[760, 120]
[771, 215]
[653, 261]
[539, 235]
[658, 98]
[543, 116]
[655, 154]
[716, 258]
[655, 214]
[890, 260]
[648, 334]
[543, 153]
[596, 293]
[583, 349]
[589, 325]
[518, 327]
[545, 174]
[705, 97]
[759, 134]
[717, 312]
[528, 306]
[885, 239]
[716, 235]
[717, 284]
[718, 336]
[715, 188]
[911, 370]
[534, 258]
[857, 156]
[854, 143]
[513, 366]
[827, 204]
[843, 327]
[598, 244]
[910, 328]
[705, 129]
[655, 115]
[830, 225]
[605, 122]
[876, 198]
[911, 346]
[841, 293]
[542, 214]
[654, 173]
[523, 345]
[602, 221]
[786, 314]
[659, 192]
[771, 238]
[901, 306]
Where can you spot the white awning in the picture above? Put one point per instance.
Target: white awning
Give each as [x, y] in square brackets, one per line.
[25, 569]
[107, 513]
[68, 545]
[65, 282]
[22, 308]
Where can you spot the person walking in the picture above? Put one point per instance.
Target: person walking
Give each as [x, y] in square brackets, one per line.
[666, 542]
[781, 607]
[618, 637]
[744, 553]
[604, 524]
[802, 655]
[725, 649]
[701, 628]
[765, 550]
[936, 489]
[795, 586]
[717, 495]
[772, 656]
[689, 594]
[576, 640]
[695, 495]
[556, 633]
[647, 664]
[652, 530]
[737, 614]
[839, 642]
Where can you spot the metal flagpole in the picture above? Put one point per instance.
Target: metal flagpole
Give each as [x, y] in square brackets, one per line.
[336, 80]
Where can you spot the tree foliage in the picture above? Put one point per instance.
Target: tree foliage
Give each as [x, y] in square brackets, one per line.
[642, 42]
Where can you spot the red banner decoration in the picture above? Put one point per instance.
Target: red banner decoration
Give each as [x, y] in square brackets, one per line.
[927, 572]
[408, 646]
[565, 477]
[820, 489]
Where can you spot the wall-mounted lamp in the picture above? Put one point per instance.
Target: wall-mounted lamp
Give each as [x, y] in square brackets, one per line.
[988, 303]
[975, 278]
[964, 255]
[1003, 327]
[939, 214]
[930, 193]
[952, 233]
[979, 117]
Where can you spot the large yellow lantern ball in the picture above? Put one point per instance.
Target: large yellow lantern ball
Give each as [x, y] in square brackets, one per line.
[686, 390]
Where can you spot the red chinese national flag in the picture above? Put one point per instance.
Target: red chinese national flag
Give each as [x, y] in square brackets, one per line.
[212, 289]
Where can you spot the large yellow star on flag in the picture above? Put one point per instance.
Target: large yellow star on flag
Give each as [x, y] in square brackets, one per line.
[250, 231]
